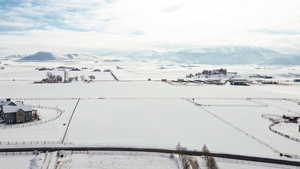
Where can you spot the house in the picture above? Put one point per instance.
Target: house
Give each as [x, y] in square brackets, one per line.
[239, 82]
[180, 80]
[74, 69]
[16, 112]
[268, 82]
[291, 119]
[261, 76]
[214, 81]
[44, 69]
[106, 70]
[96, 70]
[6, 102]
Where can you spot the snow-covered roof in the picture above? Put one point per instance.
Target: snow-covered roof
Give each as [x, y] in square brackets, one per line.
[13, 109]
[4, 101]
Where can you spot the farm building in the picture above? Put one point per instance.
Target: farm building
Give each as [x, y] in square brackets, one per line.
[239, 82]
[16, 112]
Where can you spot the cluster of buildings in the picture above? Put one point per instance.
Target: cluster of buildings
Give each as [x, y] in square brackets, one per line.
[105, 70]
[64, 78]
[212, 73]
[58, 68]
[291, 119]
[216, 77]
[70, 68]
[52, 78]
[234, 82]
[222, 76]
[64, 68]
[16, 112]
[215, 72]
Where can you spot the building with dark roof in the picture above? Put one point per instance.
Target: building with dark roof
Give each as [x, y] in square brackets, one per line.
[15, 112]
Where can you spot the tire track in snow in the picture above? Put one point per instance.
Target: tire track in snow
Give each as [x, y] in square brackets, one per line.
[243, 131]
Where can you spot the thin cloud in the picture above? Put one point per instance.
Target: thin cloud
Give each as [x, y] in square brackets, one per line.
[137, 33]
[278, 32]
[173, 8]
[71, 14]
[128, 23]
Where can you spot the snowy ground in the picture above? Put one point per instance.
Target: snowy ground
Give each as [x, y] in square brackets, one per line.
[227, 164]
[143, 113]
[115, 160]
[155, 122]
[247, 118]
[51, 131]
[20, 161]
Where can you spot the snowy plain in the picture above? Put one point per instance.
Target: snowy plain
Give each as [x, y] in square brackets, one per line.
[141, 113]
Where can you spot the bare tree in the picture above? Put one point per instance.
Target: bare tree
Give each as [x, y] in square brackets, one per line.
[92, 77]
[210, 161]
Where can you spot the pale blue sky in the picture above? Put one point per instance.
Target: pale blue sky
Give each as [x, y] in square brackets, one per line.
[130, 24]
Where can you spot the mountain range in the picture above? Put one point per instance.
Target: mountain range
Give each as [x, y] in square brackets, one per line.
[216, 55]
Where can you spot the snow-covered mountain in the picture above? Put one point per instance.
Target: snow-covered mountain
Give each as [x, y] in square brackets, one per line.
[223, 55]
[213, 55]
[217, 55]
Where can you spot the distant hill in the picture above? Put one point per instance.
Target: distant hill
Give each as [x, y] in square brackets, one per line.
[285, 60]
[39, 57]
[71, 55]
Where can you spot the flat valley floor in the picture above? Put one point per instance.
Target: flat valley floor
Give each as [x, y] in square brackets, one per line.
[135, 112]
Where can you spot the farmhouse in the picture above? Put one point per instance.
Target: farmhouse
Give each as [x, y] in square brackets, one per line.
[16, 112]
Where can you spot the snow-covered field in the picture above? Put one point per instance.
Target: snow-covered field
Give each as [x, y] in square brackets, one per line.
[248, 120]
[155, 122]
[20, 161]
[49, 131]
[119, 161]
[141, 113]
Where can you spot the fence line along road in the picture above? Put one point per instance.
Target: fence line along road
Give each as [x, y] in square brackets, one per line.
[69, 122]
[153, 150]
[154, 97]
